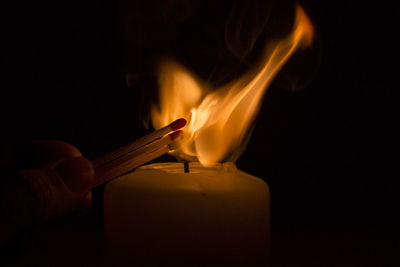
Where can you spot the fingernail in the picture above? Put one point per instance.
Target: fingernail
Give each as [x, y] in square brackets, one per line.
[77, 173]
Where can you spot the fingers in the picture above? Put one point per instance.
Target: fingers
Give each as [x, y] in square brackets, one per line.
[72, 169]
[28, 155]
[75, 170]
[49, 196]
[76, 173]
[52, 151]
[59, 183]
[60, 180]
[86, 204]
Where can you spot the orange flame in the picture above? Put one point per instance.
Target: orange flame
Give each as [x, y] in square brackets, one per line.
[219, 120]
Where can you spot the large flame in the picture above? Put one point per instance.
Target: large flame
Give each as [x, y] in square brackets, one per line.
[219, 120]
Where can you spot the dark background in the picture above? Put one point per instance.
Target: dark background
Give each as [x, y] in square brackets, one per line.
[328, 149]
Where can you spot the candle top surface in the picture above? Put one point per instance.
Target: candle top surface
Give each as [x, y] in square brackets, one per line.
[194, 167]
[169, 180]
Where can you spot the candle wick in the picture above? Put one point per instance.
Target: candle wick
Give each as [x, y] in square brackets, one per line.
[186, 167]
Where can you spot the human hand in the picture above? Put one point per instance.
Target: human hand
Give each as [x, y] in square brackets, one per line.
[57, 182]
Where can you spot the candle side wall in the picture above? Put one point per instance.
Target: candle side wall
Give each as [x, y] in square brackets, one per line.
[219, 217]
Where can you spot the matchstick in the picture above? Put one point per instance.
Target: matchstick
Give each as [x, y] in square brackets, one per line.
[133, 159]
[179, 123]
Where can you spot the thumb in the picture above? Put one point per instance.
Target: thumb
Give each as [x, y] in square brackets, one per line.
[58, 191]
[76, 173]
[36, 195]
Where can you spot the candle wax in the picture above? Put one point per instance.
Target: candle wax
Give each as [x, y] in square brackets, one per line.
[159, 215]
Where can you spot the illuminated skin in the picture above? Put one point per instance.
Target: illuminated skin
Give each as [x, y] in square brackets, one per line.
[57, 184]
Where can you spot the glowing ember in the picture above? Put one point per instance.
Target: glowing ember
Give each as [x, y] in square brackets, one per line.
[218, 120]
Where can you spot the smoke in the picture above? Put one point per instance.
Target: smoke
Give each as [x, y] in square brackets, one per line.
[217, 40]
[244, 25]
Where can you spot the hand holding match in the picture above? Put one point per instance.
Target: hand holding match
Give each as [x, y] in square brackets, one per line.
[137, 153]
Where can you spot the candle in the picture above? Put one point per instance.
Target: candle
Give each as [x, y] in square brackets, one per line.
[160, 215]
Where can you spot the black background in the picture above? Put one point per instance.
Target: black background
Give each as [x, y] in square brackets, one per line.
[328, 151]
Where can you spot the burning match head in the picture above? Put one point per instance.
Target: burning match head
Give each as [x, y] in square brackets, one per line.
[175, 135]
[179, 123]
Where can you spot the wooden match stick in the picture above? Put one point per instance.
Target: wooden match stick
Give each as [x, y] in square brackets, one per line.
[179, 123]
[136, 153]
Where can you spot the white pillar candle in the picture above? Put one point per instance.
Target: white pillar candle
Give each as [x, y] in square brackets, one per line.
[160, 215]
